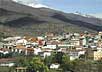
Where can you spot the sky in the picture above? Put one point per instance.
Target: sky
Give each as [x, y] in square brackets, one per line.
[92, 7]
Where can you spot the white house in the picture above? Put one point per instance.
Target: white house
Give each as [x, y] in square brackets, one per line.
[49, 47]
[46, 54]
[74, 55]
[12, 38]
[37, 51]
[21, 41]
[97, 54]
[54, 66]
[4, 52]
[40, 38]
[7, 64]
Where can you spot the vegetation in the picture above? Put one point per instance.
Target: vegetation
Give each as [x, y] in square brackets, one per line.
[32, 64]
[36, 63]
[7, 69]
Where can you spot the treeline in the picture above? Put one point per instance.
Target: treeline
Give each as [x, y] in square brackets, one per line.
[43, 65]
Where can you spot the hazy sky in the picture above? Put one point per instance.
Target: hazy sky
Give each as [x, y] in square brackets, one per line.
[93, 7]
[86, 6]
[83, 6]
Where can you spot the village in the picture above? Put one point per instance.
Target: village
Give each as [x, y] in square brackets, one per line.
[75, 45]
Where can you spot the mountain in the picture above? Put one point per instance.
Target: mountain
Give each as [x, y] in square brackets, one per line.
[31, 3]
[19, 19]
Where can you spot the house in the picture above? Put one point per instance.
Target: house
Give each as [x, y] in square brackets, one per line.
[21, 41]
[98, 54]
[76, 54]
[21, 69]
[44, 54]
[49, 47]
[64, 50]
[54, 66]
[4, 52]
[37, 51]
[40, 38]
[7, 64]
[24, 50]
[9, 39]
[100, 35]
[47, 53]
[84, 41]
[66, 46]
[30, 39]
[73, 55]
[49, 36]
[75, 42]
[79, 48]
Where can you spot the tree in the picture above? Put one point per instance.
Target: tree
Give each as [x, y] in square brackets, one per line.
[22, 61]
[33, 64]
[82, 57]
[38, 65]
[1, 55]
[59, 57]
[80, 65]
[48, 60]
[66, 63]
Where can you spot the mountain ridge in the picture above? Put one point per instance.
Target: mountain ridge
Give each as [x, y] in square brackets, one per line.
[27, 20]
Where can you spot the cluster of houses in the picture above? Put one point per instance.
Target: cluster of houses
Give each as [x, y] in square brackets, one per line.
[73, 44]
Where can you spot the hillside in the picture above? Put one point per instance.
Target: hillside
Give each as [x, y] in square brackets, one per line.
[17, 19]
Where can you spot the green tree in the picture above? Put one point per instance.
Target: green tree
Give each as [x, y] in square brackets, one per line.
[38, 65]
[1, 55]
[48, 61]
[82, 57]
[66, 63]
[22, 61]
